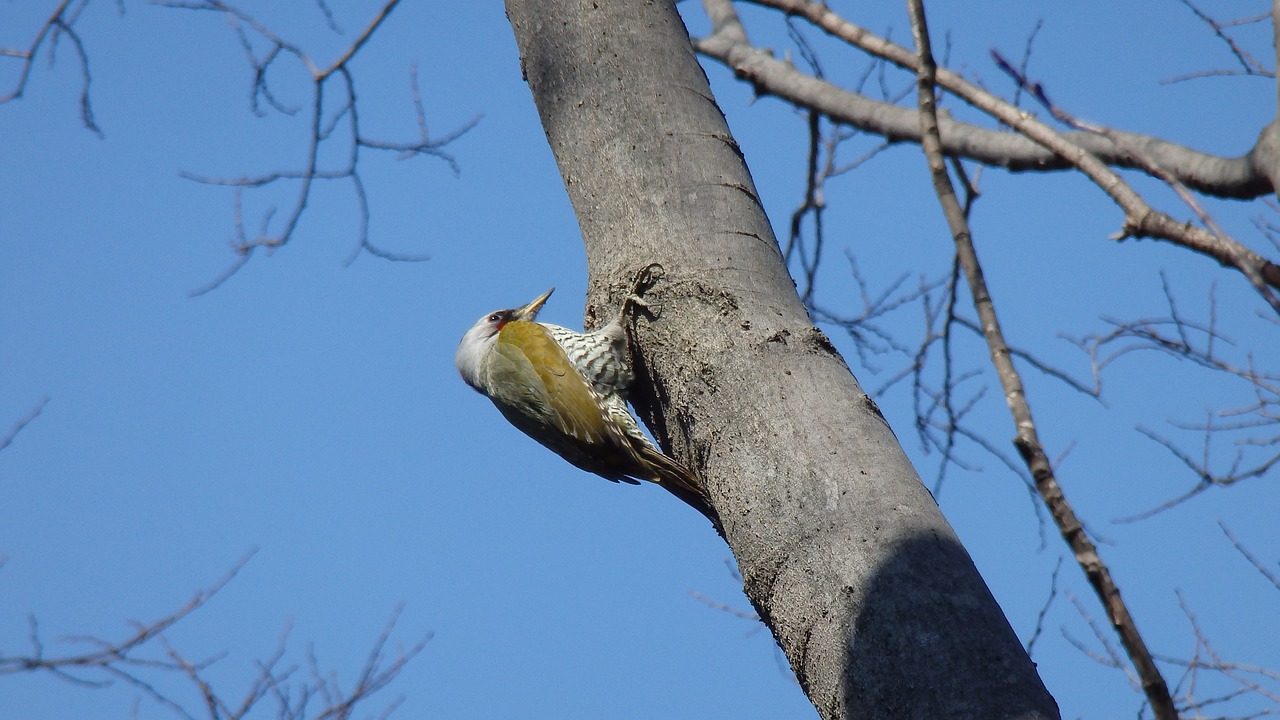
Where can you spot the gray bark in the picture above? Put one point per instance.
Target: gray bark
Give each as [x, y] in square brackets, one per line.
[843, 551]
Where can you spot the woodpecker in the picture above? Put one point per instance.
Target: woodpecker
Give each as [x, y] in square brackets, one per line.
[568, 391]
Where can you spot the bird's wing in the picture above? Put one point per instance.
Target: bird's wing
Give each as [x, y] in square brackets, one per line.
[564, 398]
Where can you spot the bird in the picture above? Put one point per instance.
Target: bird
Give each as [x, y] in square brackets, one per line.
[568, 391]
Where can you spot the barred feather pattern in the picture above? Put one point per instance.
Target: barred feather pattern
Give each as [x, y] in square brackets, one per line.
[601, 357]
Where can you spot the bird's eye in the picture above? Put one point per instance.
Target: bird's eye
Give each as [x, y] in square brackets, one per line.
[495, 317]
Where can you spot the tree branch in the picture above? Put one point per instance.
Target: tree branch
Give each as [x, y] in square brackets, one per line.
[61, 23]
[1211, 240]
[1254, 425]
[1141, 220]
[728, 44]
[133, 661]
[1248, 64]
[1027, 440]
[8, 437]
[321, 130]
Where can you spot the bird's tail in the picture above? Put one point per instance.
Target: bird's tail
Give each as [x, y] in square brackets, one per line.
[677, 479]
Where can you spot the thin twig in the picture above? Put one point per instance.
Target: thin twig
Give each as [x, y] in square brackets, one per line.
[8, 437]
[1267, 572]
[61, 23]
[1044, 609]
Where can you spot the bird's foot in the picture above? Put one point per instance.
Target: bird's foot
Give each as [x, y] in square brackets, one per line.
[645, 279]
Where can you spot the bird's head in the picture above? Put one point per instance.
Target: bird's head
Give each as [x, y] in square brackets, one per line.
[477, 341]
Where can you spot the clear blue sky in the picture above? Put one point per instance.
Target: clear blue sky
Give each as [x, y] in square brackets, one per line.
[312, 411]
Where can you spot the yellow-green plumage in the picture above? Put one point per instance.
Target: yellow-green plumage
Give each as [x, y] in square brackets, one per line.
[567, 390]
[562, 400]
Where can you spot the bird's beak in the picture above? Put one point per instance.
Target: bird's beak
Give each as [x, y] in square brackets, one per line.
[530, 311]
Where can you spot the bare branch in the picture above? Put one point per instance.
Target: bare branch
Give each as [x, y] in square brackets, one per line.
[1231, 681]
[1141, 220]
[1207, 479]
[1222, 177]
[1266, 572]
[1027, 440]
[378, 672]
[374, 24]
[1256, 426]
[1109, 657]
[61, 23]
[812, 204]
[722, 607]
[322, 130]
[1248, 64]
[111, 654]
[1092, 390]
[863, 327]
[132, 661]
[1026, 58]
[1044, 609]
[8, 437]
[1211, 241]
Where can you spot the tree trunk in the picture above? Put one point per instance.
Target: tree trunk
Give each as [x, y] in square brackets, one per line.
[843, 551]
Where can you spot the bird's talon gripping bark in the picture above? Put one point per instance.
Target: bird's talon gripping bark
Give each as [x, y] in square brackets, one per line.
[645, 279]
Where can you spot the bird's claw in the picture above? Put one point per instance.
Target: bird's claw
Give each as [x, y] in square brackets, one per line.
[645, 279]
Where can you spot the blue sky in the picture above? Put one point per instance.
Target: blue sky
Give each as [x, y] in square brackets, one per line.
[311, 411]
